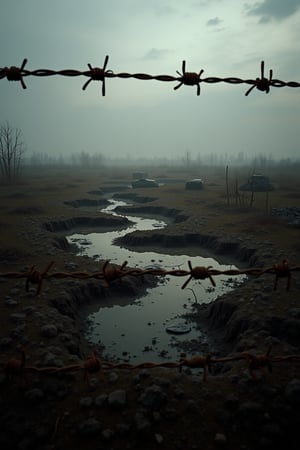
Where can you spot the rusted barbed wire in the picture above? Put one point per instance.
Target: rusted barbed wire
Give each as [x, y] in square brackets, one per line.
[110, 273]
[13, 366]
[262, 83]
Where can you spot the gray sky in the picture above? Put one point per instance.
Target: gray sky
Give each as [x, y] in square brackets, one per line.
[149, 118]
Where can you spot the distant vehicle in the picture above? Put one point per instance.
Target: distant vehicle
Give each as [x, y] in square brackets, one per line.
[144, 183]
[139, 175]
[257, 183]
[195, 184]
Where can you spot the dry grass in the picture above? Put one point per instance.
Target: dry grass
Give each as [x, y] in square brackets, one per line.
[50, 187]
[24, 242]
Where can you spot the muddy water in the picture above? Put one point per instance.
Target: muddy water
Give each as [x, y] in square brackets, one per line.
[137, 332]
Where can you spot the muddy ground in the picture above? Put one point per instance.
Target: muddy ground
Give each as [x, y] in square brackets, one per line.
[43, 407]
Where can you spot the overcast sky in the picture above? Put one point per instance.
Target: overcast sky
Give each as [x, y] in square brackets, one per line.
[136, 118]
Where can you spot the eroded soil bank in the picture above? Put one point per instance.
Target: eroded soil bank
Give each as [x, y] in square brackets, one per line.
[150, 407]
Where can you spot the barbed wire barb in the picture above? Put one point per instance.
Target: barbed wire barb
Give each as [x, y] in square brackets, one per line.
[189, 78]
[262, 84]
[98, 74]
[14, 73]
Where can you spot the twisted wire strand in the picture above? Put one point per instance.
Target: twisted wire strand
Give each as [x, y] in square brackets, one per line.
[261, 83]
[14, 366]
[110, 273]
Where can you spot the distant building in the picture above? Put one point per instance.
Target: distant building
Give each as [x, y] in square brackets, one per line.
[257, 183]
[144, 183]
[195, 184]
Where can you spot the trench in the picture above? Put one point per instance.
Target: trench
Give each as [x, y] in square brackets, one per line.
[137, 332]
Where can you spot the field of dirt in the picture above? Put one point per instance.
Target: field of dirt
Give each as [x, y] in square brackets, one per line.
[56, 394]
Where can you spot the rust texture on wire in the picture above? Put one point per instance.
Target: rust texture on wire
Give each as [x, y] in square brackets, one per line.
[263, 84]
[16, 367]
[110, 273]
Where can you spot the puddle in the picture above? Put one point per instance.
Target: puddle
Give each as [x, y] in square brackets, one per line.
[137, 332]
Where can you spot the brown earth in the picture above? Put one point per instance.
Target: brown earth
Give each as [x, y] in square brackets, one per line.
[231, 409]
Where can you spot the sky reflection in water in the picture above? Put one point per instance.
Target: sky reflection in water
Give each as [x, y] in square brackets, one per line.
[137, 332]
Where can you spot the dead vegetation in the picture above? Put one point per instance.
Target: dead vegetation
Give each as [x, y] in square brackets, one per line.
[25, 242]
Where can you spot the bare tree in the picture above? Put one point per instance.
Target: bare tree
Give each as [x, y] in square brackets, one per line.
[11, 151]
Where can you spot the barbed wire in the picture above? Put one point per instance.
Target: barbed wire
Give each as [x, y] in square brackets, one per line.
[109, 273]
[263, 84]
[13, 366]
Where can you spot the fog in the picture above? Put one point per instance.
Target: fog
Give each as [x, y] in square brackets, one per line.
[140, 119]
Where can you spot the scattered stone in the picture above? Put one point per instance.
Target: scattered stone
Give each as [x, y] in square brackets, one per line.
[56, 387]
[18, 333]
[100, 400]
[141, 422]
[231, 402]
[192, 406]
[112, 377]
[17, 317]
[29, 310]
[107, 434]
[158, 438]
[220, 439]
[10, 302]
[152, 397]
[90, 427]
[34, 395]
[292, 391]
[294, 312]
[272, 431]
[86, 402]
[122, 429]
[117, 399]
[170, 414]
[15, 291]
[5, 342]
[49, 331]
[51, 360]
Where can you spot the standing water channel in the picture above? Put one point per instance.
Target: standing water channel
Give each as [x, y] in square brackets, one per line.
[138, 332]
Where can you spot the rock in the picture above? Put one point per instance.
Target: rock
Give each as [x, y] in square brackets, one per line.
[112, 377]
[152, 397]
[292, 391]
[231, 402]
[51, 360]
[86, 402]
[49, 331]
[100, 400]
[5, 342]
[10, 302]
[220, 439]
[34, 395]
[250, 407]
[272, 431]
[117, 399]
[122, 429]
[57, 387]
[90, 427]
[294, 312]
[29, 310]
[15, 291]
[158, 438]
[222, 416]
[107, 434]
[141, 422]
[17, 317]
[170, 414]
[192, 406]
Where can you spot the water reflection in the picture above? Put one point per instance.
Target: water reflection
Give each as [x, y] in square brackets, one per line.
[137, 332]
